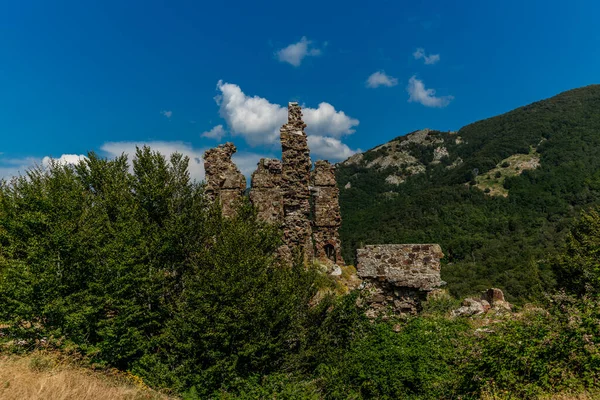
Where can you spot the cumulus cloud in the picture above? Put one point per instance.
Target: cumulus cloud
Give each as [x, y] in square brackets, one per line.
[258, 120]
[325, 120]
[254, 118]
[167, 114]
[380, 78]
[296, 52]
[329, 148]
[429, 59]
[215, 133]
[419, 94]
[65, 159]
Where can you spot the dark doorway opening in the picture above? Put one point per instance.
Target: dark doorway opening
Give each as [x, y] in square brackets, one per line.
[330, 252]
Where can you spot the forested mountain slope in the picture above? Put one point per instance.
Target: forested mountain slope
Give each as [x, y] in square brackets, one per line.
[498, 194]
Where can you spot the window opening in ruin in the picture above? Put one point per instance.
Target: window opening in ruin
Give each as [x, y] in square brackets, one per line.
[330, 252]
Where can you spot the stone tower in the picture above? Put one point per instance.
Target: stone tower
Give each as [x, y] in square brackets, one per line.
[265, 191]
[224, 181]
[326, 214]
[295, 182]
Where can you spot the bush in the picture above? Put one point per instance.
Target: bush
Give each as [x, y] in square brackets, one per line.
[578, 268]
[540, 352]
[141, 273]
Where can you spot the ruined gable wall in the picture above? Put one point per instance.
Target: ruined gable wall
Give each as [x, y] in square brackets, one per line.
[326, 214]
[265, 192]
[399, 276]
[224, 181]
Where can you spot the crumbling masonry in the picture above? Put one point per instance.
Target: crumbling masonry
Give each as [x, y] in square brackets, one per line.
[304, 203]
[224, 181]
[281, 191]
[326, 213]
[398, 277]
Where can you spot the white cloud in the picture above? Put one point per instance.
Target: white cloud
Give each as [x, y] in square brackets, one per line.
[258, 120]
[419, 94]
[215, 133]
[10, 167]
[380, 78]
[429, 59]
[65, 159]
[329, 148]
[325, 120]
[167, 114]
[254, 118]
[296, 52]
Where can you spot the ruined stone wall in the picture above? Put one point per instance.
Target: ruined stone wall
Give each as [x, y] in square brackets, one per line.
[399, 276]
[224, 181]
[265, 192]
[326, 214]
[296, 166]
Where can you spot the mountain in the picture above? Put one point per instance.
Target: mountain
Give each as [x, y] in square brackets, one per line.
[498, 195]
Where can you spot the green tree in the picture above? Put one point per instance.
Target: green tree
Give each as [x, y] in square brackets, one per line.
[578, 268]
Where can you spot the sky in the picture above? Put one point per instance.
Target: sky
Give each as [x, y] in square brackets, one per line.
[107, 76]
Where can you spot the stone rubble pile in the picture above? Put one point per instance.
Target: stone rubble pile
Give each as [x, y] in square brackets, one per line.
[490, 300]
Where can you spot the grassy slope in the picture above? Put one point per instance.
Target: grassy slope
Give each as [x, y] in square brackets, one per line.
[488, 240]
[41, 376]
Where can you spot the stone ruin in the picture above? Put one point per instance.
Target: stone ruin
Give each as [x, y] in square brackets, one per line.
[304, 202]
[224, 181]
[398, 277]
[326, 212]
[266, 192]
[282, 192]
[491, 300]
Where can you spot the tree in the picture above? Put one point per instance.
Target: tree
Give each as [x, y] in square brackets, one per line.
[578, 268]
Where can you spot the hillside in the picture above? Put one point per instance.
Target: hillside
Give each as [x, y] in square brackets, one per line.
[497, 194]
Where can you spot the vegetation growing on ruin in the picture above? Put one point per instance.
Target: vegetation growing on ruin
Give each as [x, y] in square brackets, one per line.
[488, 240]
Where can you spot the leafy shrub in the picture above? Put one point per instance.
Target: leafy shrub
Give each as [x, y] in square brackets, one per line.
[540, 352]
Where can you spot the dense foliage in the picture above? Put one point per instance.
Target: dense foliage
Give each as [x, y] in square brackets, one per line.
[488, 240]
[138, 271]
[134, 269]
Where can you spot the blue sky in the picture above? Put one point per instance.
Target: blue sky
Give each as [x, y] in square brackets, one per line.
[184, 76]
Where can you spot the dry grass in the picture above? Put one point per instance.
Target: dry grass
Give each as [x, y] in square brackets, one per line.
[42, 376]
[554, 396]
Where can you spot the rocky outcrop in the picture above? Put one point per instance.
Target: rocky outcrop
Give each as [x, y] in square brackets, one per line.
[224, 181]
[265, 191]
[490, 300]
[326, 214]
[296, 166]
[397, 277]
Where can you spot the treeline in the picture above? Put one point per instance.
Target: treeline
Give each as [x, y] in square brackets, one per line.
[488, 241]
[134, 269]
